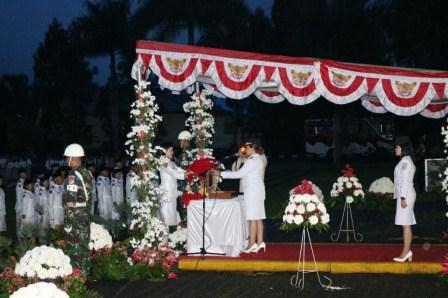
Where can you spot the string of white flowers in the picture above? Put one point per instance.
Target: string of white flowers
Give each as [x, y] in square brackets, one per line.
[145, 158]
[200, 122]
[445, 173]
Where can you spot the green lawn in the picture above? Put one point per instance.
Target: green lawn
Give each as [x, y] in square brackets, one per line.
[375, 223]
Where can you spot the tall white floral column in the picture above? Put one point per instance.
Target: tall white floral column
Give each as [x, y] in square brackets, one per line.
[348, 189]
[200, 122]
[148, 231]
[304, 211]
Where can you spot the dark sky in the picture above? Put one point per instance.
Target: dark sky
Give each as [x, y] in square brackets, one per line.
[23, 24]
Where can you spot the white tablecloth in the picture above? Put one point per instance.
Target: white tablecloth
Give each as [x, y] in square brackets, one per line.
[225, 226]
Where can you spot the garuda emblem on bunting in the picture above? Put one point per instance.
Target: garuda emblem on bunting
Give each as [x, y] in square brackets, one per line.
[176, 65]
[339, 79]
[300, 78]
[237, 71]
[405, 89]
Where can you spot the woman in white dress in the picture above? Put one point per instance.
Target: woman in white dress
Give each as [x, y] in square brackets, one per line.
[104, 193]
[405, 195]
[169, 174]
[254, 194]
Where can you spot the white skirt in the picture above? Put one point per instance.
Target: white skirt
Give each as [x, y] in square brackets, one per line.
[254, 209]
[405, 216]
[168, 213]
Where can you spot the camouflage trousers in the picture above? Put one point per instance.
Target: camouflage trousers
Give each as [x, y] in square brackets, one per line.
[77, 237]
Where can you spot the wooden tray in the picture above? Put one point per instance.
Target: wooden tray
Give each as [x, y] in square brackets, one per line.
[222, 194]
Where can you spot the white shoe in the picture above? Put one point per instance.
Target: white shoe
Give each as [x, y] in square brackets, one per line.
[262, 245]
[407, 257]
[253, 248]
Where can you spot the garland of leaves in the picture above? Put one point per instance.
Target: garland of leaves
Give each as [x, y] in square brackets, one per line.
[200, 123]
[144, 152]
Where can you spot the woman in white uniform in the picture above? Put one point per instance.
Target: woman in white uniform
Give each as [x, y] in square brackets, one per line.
[254, 195]
[169, 174]
[405, 195]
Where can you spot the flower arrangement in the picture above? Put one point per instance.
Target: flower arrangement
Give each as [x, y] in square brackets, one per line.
[382, 186]
[200, 122]
[178, 239]
[347, 188]
[40, 290]
[141, 148]
[195, 189]
[99, 237]
[445, 267]
[304, 210]
[156, 233]
[317, 191]
[10, 282]
[155, 262]
[44, 262]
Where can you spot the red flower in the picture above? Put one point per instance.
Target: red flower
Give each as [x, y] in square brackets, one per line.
[303, 188]
[172, 275]
[203, 165]
[76, 272]
[348, 171]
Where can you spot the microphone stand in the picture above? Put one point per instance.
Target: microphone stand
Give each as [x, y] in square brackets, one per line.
[202, 251]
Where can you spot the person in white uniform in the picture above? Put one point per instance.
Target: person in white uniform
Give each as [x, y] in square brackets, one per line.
[29, 214]
[104, 193]
[117, 192]
[43, 200]
[169, 174]
[19, 198]
[2, 207]
[131, 193]
[254, 195]
[404, 193]
[56, 207]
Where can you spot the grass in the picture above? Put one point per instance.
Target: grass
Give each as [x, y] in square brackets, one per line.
[377, 224]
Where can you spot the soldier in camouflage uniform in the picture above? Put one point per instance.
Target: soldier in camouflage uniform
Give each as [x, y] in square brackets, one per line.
[185, 159]
[77, 198]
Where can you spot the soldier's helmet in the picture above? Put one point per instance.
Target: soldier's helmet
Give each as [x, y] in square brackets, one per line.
[74, 150]
[184, 135]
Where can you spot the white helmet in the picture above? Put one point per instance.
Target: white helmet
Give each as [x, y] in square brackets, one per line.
[74, 150]
[184, 135]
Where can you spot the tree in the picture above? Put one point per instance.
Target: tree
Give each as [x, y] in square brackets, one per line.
[104, 31]
[62, 90]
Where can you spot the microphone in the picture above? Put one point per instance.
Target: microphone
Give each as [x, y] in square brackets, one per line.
[231, 155]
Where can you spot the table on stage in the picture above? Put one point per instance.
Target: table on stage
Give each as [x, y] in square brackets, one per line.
[225, 226]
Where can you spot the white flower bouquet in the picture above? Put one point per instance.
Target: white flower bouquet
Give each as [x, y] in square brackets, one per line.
[347, 188]
[382, 186]
[99, 237]
[156, 233]
[304, 210]
[44, 262]
[40, 290]
[178, 239]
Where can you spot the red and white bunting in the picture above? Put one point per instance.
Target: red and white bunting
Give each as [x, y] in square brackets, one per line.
[297, 83]
[269, 96]
[301, 81]
[373, 106]
[339, 85]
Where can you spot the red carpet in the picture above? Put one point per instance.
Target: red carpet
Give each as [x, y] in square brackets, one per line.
[365, 252]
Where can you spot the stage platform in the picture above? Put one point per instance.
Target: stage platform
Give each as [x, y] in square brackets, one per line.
[331, 257]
